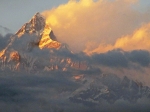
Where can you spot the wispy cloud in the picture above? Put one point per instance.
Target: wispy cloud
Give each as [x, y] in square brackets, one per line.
[138, 40]
[101, 22]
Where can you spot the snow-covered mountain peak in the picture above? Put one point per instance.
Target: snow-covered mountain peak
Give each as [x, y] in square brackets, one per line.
[39, 32]
[36, 25]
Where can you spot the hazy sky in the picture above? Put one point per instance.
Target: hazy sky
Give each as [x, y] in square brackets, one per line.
[89, 25]
[14, 13]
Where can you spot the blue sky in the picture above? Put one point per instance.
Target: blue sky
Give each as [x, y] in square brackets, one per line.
[15, 13]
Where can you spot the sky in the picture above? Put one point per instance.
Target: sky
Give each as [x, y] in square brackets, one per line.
[117, 32]
[86, 25]
[16, 13]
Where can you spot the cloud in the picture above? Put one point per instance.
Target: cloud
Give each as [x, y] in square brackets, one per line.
[101, 21]
[32, 93]
[49, 92]
[138, 40]
[131, 1]
[120, 58]
[114, 58]
[4, 40]
[140, 57]
[134, 64]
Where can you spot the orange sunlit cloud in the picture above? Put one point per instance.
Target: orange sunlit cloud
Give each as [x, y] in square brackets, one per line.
[139, 40]
[102, 22]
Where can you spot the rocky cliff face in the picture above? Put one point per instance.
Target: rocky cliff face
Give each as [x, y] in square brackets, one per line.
[35, 33]
[35, 46]
[110, 88]
[35, 49]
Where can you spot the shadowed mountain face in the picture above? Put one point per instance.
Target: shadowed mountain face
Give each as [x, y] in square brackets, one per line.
[35, 33]
[35, 68]
[35, 47]
[111, 88]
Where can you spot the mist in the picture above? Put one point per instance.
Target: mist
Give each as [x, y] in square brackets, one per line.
[49, 92]
[108, 69]
[88, 25]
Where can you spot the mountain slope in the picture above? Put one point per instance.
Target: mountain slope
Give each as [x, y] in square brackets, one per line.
[110, 88]
[37, 33]
[35, 46]
[75, 78]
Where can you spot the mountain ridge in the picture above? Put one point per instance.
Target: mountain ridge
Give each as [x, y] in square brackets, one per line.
[34, 49]
[35, 42]
[37, 26]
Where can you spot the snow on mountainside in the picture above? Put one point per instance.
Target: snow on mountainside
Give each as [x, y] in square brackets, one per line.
[35, 33]
[110, 88]
[35, 49]
[35, 25]
[35, 46]
[42, 30]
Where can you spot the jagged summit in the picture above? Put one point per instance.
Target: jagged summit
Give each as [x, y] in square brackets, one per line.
[33, 43]
[35, 25]
[36, 46]
[35, 33]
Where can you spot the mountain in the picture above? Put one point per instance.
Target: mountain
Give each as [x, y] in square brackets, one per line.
[73, 77]
[33, 45]
[110, 88]
[40, 32]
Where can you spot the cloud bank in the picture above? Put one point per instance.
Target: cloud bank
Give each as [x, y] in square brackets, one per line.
[22, 92]
[90, 24]
[138, 40]
[134, 64]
